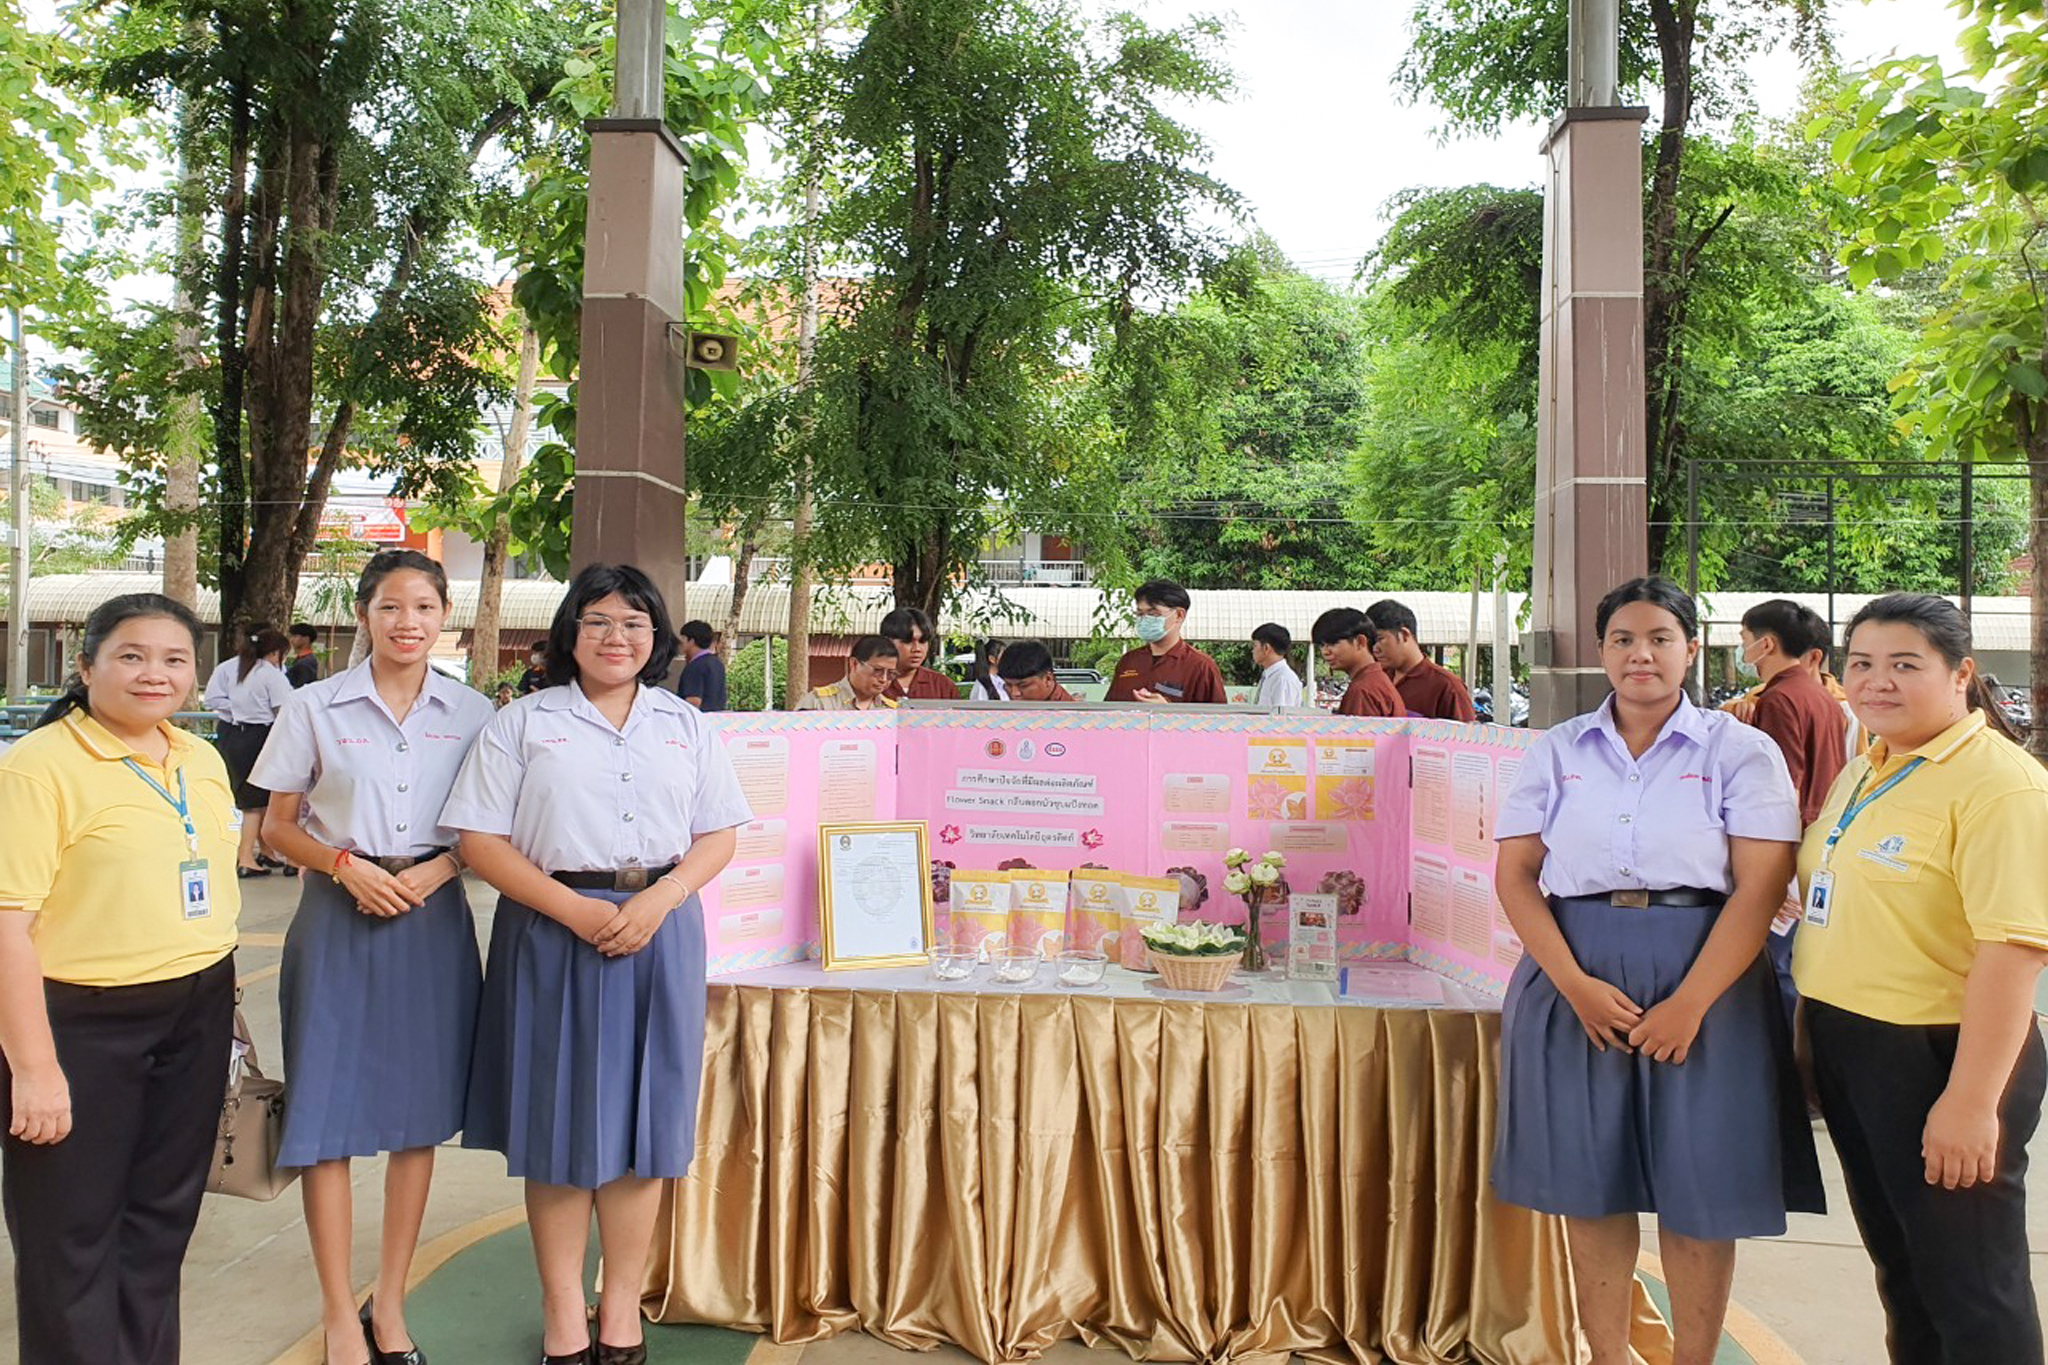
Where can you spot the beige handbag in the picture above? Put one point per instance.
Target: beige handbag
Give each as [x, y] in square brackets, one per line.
[251, 1129]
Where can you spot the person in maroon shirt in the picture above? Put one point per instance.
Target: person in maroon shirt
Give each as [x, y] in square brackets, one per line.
[911, 630]
[1165, 668]
[1345, 638]
[1427, 689]
[1026, 669]
[1785, 644]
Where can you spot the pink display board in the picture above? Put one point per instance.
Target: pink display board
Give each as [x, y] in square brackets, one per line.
[1156, 793]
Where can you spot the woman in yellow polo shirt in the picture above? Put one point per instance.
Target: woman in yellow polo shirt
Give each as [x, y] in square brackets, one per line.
[1926, 924]
[118, 905]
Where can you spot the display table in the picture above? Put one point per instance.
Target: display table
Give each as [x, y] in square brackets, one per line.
[1276, 1169]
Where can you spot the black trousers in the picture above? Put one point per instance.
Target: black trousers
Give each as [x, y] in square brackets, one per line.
[100, 1221]
[1952, 1265]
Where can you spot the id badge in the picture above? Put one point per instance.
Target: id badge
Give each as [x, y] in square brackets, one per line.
[1820, 895]
[195, 889]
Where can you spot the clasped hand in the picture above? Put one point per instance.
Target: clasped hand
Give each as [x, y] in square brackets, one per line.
[629, 926]
[1663, 1033]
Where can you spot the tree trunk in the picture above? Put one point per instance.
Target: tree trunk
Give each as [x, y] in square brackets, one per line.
[796, 670]
[185, 437]
[1663, 289]
[233, 360]
[490, 588]
[2037, 656]
[742, 584]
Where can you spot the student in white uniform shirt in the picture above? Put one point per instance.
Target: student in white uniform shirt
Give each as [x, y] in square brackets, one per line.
[246, 693]
[1279, 684]
[597, 806]
[381, 975]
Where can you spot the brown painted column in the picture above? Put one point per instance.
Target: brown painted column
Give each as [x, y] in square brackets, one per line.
[1591, 504]
[629, 411]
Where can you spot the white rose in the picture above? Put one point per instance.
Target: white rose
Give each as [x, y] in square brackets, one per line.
[1237, 857]
[1237, 883]
[1273, 859]
[1265, 874]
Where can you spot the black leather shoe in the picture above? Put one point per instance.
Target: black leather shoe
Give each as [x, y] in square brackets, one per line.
[586, 1356]
[411, 1355]
[621, 1355]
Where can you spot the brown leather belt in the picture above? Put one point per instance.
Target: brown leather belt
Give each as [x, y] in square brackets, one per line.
[397, 864]
[615, 879]
[1681, 897]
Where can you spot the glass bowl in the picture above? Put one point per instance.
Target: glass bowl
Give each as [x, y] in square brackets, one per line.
[1017, 967]
[1079, 969]
[953, 964]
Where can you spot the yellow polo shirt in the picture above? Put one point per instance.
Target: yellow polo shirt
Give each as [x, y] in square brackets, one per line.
[93, 852]
[1953, 856]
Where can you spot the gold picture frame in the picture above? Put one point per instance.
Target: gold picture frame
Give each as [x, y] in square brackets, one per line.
[873, 877]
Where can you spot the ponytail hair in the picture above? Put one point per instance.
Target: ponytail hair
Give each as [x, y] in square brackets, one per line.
[106, 618]
[1942, 624]
[260, 643]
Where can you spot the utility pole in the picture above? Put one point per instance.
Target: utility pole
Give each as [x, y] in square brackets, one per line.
[17, 501]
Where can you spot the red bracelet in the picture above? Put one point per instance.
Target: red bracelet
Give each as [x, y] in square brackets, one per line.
[341, 860]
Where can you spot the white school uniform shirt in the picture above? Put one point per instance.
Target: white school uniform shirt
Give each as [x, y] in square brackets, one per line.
[575, 795]
[1279, 685]
[373, 784]
[254, 700]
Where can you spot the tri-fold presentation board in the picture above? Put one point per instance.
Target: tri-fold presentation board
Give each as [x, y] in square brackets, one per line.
[1392, 817]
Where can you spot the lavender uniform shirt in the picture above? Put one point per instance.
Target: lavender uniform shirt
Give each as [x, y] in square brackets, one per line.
[373, 784]
[1610, 821]
[573, 794]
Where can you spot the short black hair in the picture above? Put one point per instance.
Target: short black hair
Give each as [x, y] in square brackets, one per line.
[1798, 630]
[868, 648]
[1389, 615]
[304, 630]
[899, 624]
[1343, 623]
[539, 647]
[1658, 591]
[1025, 659]
[697, 633]
[1274, 637]
[1162, 592]
[593, 583]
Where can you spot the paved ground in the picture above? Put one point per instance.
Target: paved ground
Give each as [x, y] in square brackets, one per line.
[250, 1295]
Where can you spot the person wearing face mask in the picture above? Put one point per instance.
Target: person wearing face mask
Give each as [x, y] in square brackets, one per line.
[1645, 1065]
[1924, 934]
[870, 669]
[1165, 668]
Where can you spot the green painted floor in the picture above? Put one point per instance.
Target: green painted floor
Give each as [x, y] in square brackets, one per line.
[483, 1308]
[1729, 1354]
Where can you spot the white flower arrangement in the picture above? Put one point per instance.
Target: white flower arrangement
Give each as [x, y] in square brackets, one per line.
[1195, 938]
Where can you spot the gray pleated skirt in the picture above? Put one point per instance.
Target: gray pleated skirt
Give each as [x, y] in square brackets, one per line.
[1718, 1147]
[379, 1022]
[587, 1067]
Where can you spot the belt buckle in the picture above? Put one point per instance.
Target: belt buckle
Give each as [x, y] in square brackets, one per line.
[396, 865]
[1629, 900]
[630, 879]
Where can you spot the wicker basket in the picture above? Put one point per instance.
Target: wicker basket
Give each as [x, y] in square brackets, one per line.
[1208, 973]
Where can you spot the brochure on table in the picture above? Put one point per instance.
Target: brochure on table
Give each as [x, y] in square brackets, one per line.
[1393, 818]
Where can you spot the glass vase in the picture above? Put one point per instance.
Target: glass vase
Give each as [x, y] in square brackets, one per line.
[1254, 946]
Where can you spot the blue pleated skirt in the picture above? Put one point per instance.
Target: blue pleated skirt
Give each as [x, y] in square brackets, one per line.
[1718, 1147]
[587, 1067]
[379, 1023]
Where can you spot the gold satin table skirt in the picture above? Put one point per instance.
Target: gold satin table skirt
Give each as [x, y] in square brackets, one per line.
[1186, 1181]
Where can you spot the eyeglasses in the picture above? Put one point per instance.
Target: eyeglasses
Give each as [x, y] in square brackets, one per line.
[603, 628]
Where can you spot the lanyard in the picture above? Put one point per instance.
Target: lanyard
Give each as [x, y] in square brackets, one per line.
[1856, 807]
[178, 803]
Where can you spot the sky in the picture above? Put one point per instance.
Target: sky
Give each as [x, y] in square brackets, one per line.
[1318, 138]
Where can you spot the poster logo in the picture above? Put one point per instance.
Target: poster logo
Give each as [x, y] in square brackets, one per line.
[1027, 751]
[996, 748]
[1055, 750]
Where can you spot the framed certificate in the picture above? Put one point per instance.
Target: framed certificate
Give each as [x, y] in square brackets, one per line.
[874, 894]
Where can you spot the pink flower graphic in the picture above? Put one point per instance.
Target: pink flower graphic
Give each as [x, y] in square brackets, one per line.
[1349, 889]
[1350, 798]
[1266, 798]
[949, 834]
[1091, 838]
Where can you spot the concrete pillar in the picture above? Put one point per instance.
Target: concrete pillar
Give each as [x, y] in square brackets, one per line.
[1591, 497]
[629, 415]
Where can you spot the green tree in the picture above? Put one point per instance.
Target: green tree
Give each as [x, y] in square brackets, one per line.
[338, 149]
[1012, 185]
[1952, 175]
[1240, 410]
[1489, 62]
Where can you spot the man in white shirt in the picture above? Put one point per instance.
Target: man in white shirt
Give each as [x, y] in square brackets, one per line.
[1279, 685]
